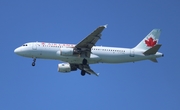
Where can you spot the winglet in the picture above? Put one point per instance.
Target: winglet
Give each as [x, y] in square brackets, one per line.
[90, 71]
[97, 74]
[106, 25]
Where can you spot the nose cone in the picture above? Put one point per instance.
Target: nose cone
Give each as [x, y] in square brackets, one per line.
[17, 51]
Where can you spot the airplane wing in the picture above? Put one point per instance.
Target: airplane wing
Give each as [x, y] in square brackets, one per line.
[89, 70]
[86, 44]
[86, 68]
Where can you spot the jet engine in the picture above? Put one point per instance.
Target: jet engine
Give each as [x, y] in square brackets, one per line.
[66, 67]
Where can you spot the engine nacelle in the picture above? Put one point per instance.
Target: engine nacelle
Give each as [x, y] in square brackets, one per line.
[66, 67]
[66, 51]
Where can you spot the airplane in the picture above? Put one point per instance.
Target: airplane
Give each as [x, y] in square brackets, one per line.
[80, 55]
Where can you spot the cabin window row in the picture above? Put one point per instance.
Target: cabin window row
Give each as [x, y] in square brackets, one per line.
[109, 50]
[52, 46]
[91, 49]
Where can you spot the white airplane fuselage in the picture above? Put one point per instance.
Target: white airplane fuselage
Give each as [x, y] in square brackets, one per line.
[82, 54]
[99, 54]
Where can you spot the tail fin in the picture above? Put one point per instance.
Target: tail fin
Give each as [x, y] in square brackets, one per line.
[150, 40]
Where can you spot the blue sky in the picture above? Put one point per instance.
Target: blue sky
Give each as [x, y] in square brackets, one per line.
[131, 86]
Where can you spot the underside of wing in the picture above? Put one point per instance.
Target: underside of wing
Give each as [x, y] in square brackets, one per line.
[90, 71]
[86, 68]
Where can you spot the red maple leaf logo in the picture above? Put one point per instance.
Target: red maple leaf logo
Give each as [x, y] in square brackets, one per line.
[150, 42]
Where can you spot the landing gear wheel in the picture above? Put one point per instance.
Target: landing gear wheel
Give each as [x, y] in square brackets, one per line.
[33, 64]
[83, 72]
[84, 62]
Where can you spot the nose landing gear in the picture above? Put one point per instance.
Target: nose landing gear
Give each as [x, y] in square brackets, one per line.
[34, 62]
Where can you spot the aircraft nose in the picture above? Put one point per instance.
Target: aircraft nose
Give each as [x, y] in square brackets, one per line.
[17, 51]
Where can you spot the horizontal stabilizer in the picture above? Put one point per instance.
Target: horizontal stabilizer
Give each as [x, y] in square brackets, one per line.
[152, 50]
[154, 60]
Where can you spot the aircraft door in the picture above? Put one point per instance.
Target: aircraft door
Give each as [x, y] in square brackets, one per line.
[34, 46]
[132, 53]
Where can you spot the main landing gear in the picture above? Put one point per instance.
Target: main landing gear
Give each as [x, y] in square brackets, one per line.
[84, 62]
[83, 72]
[34, 62]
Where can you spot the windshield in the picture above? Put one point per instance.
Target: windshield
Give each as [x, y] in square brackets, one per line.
[24, 45]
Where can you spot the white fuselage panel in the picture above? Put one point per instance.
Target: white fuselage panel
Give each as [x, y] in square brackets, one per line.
[99, 54]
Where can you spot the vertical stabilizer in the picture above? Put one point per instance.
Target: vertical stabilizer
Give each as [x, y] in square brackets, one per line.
[150, 40]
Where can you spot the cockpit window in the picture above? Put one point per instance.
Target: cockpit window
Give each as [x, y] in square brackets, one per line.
[24, 45]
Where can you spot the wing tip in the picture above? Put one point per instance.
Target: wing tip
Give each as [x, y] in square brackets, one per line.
[105, 26]
[97, 74]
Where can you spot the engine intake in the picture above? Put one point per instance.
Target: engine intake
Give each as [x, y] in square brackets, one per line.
[66, 67]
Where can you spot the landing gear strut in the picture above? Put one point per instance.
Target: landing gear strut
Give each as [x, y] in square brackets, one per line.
[34, 62]
[84, 62]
